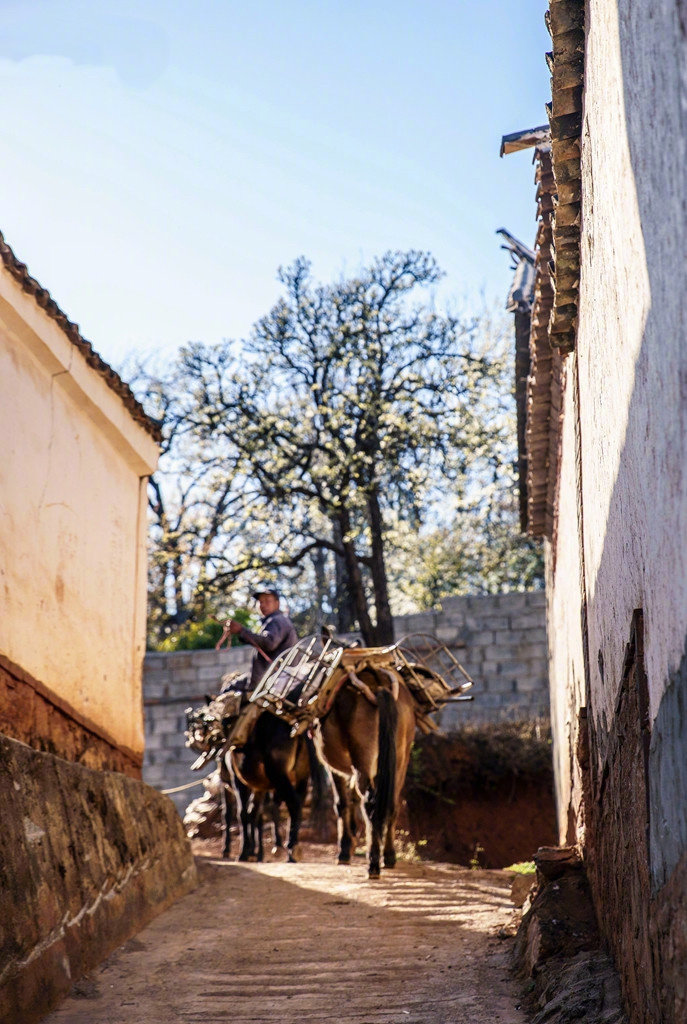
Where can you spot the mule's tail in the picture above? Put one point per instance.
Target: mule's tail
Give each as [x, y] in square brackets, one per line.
[385, 787]
[319, 782]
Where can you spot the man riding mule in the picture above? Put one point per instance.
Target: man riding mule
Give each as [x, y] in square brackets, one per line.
[276, 635]
[257, 752]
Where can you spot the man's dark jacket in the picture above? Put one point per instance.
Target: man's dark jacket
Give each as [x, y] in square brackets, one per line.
[276, 635]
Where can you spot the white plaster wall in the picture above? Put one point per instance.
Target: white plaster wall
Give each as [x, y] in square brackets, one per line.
[72, 525]
[632, 353]
[632, 346]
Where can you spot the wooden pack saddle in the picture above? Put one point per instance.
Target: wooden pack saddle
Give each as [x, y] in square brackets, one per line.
[302, 683]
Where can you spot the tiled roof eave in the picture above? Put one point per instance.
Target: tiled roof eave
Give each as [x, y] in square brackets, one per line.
[543, 384]
[42, 297]
[565, 21]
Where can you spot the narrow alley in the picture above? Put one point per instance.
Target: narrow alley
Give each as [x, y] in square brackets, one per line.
[314, 942]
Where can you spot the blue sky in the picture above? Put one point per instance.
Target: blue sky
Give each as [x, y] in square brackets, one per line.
[160, 160]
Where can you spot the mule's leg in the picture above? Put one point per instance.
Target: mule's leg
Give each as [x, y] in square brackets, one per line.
[257, 825]
[373, 829]
[276, 822]
[389, 843]
[402, 761]
[355, 812]
[273, 808]
[301, 789]
[228, 806]
[343, 806]
[243, 795]
[293, 797]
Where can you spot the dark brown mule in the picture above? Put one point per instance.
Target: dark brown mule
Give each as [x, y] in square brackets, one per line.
[274, 761]
[251, 810]
[207, 734]
[271, 761]
[365, 740]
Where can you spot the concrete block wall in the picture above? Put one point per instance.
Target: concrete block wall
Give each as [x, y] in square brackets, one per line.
[500, 640]
[172, 683]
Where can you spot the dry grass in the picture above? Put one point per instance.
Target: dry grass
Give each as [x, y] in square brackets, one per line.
[481, 759]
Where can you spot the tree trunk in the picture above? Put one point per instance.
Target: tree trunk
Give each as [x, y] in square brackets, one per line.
[345, 605]
[356, 582]
[319, 562]
[176, 570]
[385, 623]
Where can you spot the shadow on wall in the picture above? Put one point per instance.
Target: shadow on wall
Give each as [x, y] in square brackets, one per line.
[642, 562]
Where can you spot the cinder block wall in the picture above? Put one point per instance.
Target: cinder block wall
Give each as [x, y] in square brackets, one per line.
[500, 639]
[172, 683]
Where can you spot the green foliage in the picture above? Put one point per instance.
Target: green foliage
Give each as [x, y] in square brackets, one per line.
[472, 555]
[203, 635]
[469, 541]
[523, 867]
[407, 849]
[350, 407]
[192, 636]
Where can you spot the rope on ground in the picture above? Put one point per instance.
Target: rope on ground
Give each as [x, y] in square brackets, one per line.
[178, 789]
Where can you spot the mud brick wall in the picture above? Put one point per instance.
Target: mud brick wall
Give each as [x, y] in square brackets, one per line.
[500, 639]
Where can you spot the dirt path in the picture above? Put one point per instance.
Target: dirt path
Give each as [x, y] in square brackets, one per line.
[314, 942]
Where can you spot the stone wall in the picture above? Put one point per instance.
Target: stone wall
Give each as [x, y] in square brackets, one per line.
[500, 640]
[32, 713]
[88, 858]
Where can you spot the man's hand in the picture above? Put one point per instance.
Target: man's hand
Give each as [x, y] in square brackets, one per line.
[232, 626]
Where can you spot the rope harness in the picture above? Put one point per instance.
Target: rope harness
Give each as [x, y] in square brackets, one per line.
[179, 789]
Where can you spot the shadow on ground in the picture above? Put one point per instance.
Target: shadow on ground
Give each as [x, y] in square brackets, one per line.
[315, 942]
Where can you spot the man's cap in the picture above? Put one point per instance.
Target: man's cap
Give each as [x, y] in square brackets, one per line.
[265, 588]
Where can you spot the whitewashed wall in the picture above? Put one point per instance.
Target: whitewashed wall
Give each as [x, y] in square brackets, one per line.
[632, 365]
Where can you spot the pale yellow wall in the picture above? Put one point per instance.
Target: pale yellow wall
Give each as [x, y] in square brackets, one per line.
[72, 523]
